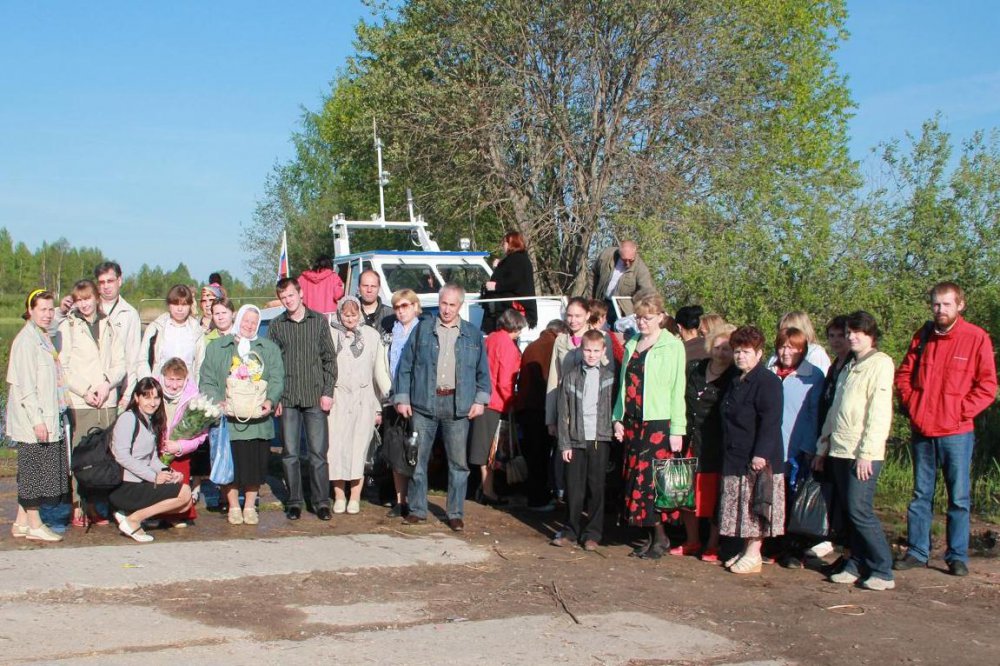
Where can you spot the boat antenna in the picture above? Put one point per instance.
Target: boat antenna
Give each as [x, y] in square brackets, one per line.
[383, 176]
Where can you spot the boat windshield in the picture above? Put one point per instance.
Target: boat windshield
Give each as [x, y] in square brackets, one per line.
[470, 276]
[418, 277]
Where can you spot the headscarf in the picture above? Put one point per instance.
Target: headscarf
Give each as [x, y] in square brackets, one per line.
[357, 343]
[243, 344]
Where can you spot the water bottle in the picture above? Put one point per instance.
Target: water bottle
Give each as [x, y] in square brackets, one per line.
[411, 450]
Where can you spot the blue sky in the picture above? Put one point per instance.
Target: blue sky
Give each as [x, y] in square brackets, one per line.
[148, 129]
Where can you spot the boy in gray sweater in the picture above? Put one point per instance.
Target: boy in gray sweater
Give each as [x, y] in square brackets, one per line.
[586, 396]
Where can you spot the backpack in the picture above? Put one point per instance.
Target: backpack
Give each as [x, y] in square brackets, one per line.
[94, 466]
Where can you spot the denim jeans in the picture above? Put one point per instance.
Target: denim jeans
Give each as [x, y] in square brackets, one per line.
[870, 552]
[318, 443]
[454, 432]
[953, 454]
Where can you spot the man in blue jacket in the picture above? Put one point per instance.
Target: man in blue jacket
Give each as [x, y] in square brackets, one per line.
[442, 381]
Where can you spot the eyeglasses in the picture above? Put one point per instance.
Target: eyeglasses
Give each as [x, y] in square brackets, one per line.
[649, 319]
[402, 305]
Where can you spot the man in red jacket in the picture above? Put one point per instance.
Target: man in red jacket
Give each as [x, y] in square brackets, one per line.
[946, 379]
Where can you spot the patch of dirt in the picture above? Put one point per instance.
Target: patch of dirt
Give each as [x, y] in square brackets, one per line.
[793, 614]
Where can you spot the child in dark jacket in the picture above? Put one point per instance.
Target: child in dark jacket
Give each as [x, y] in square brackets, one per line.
[586, 398]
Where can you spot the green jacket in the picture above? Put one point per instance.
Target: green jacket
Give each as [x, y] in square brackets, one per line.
[215, 371]
[663, 383]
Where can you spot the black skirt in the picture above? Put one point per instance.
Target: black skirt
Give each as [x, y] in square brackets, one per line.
[484, 430]
[250, 458]
[132, 496]
[201, 460]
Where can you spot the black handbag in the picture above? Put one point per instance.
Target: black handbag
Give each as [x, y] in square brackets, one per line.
[763, 494]
[811, 509]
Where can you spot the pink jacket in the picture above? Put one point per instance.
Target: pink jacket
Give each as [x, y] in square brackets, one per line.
[321, 290]
[188, 393]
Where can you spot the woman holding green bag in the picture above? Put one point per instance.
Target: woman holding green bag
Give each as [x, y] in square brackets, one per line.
[650, 418]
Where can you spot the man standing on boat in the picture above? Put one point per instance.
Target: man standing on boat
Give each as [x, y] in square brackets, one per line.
[372, 309]
[619, 274]
[442, 381]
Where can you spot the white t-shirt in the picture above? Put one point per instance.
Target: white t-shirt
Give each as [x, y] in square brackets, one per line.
[616, 275]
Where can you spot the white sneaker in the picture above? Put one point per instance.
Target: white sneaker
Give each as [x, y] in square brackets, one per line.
[820, 550]
[843, 578]
[339, 506]
[353, 507]
[42, 533]
[878, 584]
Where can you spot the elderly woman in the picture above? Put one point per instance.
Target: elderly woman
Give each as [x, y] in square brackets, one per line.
[35, 401]
[815, 353]
[650, 417]
[396, 429]
[707, 381]
[362, 381]
[250, 439]
[512, 277]
[149, 488]
[175, 333]
[504, 359]
[751, 435]
[852, 447]
[93, 360]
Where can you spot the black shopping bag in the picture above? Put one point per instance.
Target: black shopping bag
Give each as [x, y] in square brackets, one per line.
[811, 509]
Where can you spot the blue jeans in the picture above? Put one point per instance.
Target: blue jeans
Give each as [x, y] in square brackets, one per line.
[870, 552]
[954, 455]
[318, 443]
[454, 432]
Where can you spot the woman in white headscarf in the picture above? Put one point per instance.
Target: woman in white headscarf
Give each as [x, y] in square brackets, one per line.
[362, 381]
[237, 355]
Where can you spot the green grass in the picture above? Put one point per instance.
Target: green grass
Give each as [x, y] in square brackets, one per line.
[895, 486]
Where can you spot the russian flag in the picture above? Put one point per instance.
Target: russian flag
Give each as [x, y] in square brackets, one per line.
[283, 269]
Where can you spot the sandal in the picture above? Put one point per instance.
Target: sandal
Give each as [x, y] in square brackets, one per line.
[137, 534]
[710, 555]
[733, 560]
[656, 551]
[747, 565]
[641, 549]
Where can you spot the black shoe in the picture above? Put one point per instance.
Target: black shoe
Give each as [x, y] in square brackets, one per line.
[789, 561]
[908, 562]
[958, 568]
[655, 552]
[323, 513]
[642, 548]
[293, 513]
[399, 511]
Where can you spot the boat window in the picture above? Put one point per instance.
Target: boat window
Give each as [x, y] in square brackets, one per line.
[418, 277]
[470, 276]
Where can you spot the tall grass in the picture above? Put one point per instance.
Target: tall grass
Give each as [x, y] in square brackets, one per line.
[895, 483]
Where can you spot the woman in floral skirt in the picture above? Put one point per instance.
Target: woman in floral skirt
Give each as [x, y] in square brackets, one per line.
[650, 418]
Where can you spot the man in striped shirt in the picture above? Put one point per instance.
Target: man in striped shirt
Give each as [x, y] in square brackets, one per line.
[303, 336]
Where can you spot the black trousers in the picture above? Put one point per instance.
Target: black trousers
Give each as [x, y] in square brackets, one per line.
[536, 445]
[585, 474]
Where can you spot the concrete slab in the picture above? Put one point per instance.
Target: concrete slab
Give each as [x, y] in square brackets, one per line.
[69, 631]
[361, 614]
[613, 638]
[116, 567]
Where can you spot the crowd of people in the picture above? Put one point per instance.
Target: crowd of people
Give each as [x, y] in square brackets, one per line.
[617, 383]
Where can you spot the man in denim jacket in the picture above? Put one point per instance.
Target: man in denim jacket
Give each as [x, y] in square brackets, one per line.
[442, 381]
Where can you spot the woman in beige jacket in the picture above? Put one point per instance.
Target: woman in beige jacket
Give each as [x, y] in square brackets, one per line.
[35, 402]
[853, 438]
[92, 355]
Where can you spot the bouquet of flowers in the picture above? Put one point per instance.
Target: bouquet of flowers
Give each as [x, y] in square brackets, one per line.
[200, 414]
[246, 391]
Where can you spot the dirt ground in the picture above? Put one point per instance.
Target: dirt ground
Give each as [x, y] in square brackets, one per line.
[791, 614]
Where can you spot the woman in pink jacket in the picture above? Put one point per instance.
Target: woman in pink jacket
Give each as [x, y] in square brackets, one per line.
[504, 359]
[179, 389]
